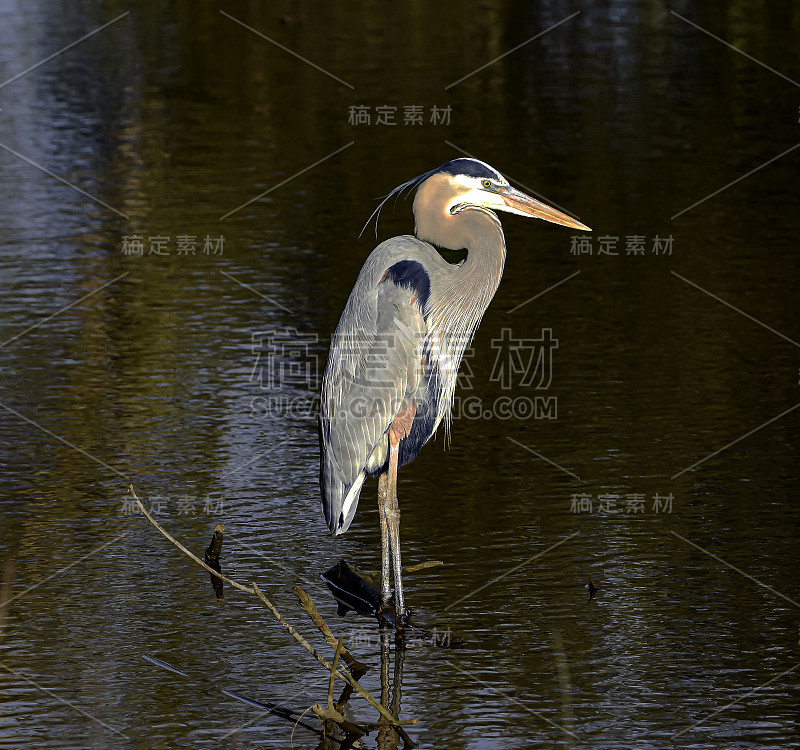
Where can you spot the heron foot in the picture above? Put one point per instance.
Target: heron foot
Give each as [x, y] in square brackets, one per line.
[389, 617]
[402, 621]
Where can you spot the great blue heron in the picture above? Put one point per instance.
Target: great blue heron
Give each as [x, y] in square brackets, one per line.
[394, 357]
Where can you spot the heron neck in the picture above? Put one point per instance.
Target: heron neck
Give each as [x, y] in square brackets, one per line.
[475, 281]
[461, 295]
[464, 291]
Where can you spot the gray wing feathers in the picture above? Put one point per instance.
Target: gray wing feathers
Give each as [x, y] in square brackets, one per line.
[374, 364]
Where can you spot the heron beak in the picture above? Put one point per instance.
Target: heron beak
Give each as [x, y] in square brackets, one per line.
[520, 203]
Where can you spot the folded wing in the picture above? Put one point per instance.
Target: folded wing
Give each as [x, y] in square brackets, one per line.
[374, 367]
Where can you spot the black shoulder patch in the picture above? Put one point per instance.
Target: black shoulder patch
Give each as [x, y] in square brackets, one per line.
[410, 274]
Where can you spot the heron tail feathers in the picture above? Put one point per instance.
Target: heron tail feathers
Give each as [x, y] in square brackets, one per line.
[339, 501]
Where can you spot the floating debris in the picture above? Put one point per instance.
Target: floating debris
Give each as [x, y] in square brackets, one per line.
[353, 589]
[359, 592]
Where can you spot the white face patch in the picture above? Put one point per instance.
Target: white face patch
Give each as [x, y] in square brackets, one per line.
[467, 181]
[470, 190]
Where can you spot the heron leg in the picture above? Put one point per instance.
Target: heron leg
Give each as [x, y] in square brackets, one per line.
[390, 515]
[386, 550]
[393, 518]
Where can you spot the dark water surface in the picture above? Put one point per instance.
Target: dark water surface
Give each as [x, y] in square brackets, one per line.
[176, 372]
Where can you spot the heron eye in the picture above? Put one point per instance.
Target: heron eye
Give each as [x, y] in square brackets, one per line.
[487, 183]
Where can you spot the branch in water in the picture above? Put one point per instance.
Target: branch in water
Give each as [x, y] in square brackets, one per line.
[422, 566]
[345, 676]
[307, 603]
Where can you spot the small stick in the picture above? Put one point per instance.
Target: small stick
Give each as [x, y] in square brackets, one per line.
[333, 672]
[422, 566]
[330, 713]
[307, 603]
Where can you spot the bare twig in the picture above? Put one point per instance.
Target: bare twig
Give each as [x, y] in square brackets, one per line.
[307, 603]
[330, 711]
[339, 647]
[291, 736]
[422, 566]
[345, 676]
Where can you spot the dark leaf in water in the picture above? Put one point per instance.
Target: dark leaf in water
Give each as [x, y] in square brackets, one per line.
[211, 558]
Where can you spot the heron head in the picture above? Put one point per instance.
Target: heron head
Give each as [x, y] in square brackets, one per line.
[469, 183]
[446, 192]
